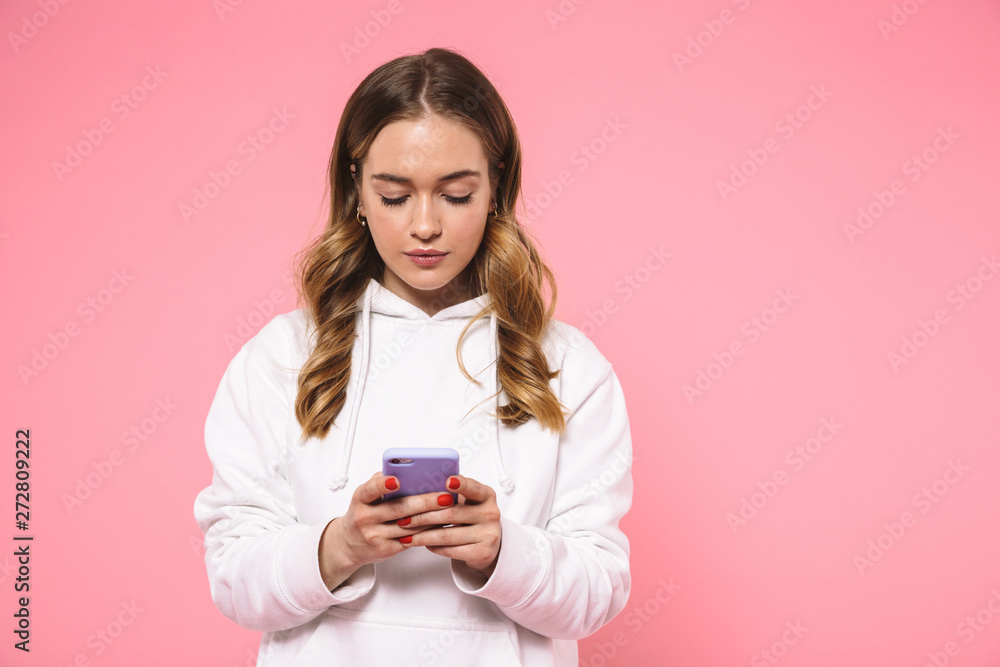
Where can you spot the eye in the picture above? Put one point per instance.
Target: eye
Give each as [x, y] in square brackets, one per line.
[398, 201]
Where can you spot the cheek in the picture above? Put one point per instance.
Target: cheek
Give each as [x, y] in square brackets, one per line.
[386, 223]
[472, 232]
[384, 235]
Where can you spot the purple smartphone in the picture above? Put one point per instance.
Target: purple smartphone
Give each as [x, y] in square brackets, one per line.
[419, 469]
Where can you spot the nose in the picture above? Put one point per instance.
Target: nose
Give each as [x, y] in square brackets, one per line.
[425, 224]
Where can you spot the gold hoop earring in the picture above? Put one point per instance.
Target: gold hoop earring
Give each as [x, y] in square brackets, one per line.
[358, 216]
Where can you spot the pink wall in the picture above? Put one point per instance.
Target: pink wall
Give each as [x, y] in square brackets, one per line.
[813, 397]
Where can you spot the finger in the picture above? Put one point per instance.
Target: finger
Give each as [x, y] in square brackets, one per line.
[466, 515]
[454, 536]
[475, 492]
[377, 485]
[406, 538]
[397, 509]
[436, 536]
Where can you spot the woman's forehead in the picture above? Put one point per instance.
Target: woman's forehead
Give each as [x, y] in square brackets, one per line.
[430, 147]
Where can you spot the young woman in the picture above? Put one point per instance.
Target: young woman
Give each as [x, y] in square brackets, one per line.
[425, 325]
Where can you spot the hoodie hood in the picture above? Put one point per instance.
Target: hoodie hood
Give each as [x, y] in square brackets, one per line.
[378, 299]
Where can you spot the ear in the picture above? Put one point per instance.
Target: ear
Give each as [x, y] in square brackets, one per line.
[357, 186]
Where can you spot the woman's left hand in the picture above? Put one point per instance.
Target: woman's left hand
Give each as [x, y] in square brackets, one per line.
[474, 536]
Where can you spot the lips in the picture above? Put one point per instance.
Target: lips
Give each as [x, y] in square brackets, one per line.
[424, 252]
[427, 257]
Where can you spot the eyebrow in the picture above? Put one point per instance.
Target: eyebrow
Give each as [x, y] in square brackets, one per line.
[393, 178]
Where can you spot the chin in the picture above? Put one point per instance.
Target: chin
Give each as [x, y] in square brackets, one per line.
[426, 280]
[429, 286]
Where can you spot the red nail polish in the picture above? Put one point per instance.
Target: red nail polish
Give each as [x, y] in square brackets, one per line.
[453, 483]
[391, 484]
[445, 500]
[405, 521]
[406, 539]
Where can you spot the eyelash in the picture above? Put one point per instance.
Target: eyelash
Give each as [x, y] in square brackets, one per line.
[398, 201]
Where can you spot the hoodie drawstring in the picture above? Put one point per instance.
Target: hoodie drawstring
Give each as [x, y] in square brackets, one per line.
[506, 483]
[360, 375]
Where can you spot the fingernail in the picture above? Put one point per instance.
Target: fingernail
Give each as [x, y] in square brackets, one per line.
[406, 539]
[405, 521]
[453, 483]
[445, 499]
[391, 484]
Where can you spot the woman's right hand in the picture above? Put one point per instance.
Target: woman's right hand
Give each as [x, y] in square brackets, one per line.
[369, 531]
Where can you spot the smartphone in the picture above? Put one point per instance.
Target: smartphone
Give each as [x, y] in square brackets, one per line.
[419, 469]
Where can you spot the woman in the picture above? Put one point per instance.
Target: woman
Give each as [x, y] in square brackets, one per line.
[425, 326]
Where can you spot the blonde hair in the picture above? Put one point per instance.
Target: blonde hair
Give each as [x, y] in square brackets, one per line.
[335, 269]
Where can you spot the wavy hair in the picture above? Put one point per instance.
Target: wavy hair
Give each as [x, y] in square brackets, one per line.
[335, 269]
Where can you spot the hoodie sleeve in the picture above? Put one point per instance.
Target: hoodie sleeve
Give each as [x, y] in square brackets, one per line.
[263, 564]
[571, 577]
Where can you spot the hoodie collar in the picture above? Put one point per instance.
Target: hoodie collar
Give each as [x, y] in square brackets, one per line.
[378, 299]
[388, 303]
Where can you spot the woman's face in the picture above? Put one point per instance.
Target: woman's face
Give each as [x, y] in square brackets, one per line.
[425, 192]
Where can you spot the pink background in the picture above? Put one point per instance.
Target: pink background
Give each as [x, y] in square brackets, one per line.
[879, 549]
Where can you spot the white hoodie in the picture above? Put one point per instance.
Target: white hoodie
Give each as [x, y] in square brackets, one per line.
[563, 568]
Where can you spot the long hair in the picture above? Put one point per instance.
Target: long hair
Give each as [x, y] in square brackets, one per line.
[336, 268]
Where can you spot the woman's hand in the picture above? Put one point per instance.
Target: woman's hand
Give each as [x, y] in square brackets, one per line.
[368, 531]
[474, 533]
